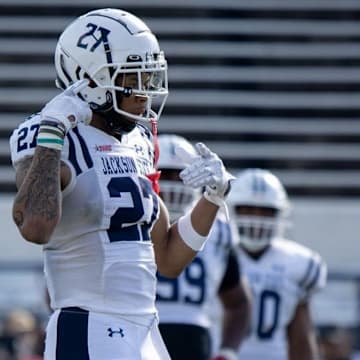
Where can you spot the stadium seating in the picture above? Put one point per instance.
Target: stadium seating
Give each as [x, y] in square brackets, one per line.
[267, 83]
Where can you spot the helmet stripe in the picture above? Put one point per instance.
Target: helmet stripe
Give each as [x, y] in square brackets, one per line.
[117, 20]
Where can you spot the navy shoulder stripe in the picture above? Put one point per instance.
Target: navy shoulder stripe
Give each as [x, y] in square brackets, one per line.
[308, 272]
[312, 273]
[315, 277]
[218, 235]
[85, 150]
[72, 155]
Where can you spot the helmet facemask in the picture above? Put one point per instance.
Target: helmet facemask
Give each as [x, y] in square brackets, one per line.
[177, 197]
[260, 208]
[139, 78]
[256, 231]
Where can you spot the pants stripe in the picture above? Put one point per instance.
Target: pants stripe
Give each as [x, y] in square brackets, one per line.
[72, 334]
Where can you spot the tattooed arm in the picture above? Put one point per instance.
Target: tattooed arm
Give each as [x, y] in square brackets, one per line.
[37, 205]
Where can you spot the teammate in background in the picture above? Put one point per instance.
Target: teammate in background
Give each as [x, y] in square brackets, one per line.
[282, 273]
[83, 169]
[185, 303]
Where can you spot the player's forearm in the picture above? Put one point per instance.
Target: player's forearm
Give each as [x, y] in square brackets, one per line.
[203, 216]
[36, 209]
[303, 354]
[236, 325]
[302, 344]
[305, 350]
[174, 254]
[191, 231]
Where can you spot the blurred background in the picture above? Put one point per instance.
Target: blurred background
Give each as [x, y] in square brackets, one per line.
[265, 83]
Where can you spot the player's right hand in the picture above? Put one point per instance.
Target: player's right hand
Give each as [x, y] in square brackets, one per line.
[205, 170]
[67, 108]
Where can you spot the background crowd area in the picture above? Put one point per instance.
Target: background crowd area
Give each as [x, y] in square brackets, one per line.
[22, 334]
[272, 84]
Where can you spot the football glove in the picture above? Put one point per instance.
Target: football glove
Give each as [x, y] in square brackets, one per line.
[206, 170]
[67, 108]
[62, 113]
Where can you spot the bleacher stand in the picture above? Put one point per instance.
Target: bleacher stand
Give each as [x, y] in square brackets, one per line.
[268, 83]
[265, 83]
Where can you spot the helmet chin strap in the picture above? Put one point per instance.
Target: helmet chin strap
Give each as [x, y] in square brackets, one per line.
[117, 123]
[155, 176]
[120, 124]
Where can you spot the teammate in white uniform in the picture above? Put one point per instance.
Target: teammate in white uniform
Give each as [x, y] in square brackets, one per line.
[185, 303]
[282, 274]
[85, 171]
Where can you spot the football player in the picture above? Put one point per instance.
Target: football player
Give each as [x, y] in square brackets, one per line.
[185, 303]
[86, 178]
[282, 273]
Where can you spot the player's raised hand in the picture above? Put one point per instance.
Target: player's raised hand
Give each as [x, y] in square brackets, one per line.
[67, 108]
[186, 153]
[61, 114]
[207, 170]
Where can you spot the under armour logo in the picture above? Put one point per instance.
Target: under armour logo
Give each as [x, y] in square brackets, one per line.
[112, 332]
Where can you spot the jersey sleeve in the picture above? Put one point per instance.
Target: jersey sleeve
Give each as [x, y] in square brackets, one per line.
[308, 268]
[23, 139]
[314, 275]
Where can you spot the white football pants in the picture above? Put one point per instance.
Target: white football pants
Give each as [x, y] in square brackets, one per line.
[77, 334]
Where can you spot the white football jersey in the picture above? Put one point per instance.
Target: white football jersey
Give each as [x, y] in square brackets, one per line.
[188, 298]
[286, 274]
[102, 245]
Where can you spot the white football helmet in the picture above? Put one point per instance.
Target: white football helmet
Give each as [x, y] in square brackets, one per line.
[257, 188]
[105, 45]
[177, 197]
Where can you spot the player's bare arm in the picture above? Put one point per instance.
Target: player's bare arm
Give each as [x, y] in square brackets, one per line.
[237, 309]
[39, 180]
[176, 246]
[171, 252]
[37, 206]
[301, 335]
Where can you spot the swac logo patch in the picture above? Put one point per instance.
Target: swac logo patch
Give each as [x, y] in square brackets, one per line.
[103, 148]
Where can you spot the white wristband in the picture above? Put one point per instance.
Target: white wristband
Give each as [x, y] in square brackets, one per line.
[190, 237]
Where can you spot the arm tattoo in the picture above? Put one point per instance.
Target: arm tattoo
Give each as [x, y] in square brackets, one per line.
[39, 185]
[18, 218]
